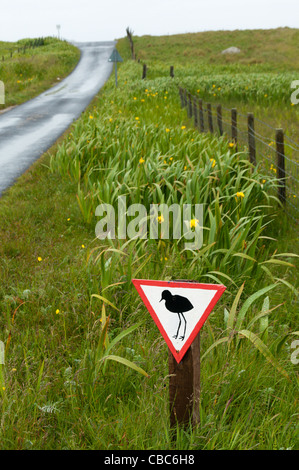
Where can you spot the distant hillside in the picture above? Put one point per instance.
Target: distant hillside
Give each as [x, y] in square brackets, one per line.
[276, 49]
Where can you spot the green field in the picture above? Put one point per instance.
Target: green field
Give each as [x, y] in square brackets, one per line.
[27, 73]
[86, 367]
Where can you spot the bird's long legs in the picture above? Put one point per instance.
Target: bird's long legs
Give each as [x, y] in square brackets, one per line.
[180, 322]
[183, 337]
[177, 333]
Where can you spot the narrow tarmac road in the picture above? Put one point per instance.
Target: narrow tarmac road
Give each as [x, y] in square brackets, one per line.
[30, 129]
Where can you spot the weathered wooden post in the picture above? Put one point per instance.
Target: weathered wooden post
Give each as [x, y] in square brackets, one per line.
[210, 118]
[185, 97]
[195, 111]
[144, 70]
[184, 386]
[189, 108]
[181, 96]
[219, 119]
[281, 165]
[234, 128]
[251, 138]
[172, 71]
[201, 117]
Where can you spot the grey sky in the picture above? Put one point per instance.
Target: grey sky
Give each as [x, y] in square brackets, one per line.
[91, 20]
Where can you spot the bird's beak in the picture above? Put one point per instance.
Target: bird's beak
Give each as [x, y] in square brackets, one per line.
[161, 299]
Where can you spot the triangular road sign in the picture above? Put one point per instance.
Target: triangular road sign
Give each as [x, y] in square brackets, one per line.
[115, 57]
[179, 309]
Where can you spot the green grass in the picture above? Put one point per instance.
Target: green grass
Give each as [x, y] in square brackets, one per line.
[257, 80]
[27, 74]
[57, 389]
[261, 50]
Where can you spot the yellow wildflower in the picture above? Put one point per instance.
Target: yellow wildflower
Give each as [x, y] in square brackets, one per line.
[57, 311]
[141, 160]
[39, 258]
[240, 194]
[193, 223]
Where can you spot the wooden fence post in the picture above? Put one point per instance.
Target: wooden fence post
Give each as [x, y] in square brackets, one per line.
[234, 128]
[189, 108]
[195, 112]
[251, 138]
[144, 70]
[210, 117]
[201, 118]
[219, 119]
[181, 96]
[185, 97]
[281, 165]
[184, 386]
[171, 71]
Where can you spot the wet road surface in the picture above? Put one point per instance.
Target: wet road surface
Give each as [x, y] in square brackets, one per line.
[30, 129]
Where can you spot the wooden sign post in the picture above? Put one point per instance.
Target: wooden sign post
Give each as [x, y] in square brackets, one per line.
[184, 386]
[179, 309]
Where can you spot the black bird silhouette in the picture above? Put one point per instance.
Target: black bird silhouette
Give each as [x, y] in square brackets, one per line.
[177, 304]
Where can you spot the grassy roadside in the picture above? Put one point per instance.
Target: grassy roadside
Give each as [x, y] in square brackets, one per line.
[56, 393]
[25, 75]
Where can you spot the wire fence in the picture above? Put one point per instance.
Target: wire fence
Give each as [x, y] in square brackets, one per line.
[268, 147]
[12, 51]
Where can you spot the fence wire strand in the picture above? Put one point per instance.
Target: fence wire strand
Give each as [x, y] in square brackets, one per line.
[215, 122]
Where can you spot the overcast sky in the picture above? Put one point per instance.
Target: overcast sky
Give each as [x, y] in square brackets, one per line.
[97, 20]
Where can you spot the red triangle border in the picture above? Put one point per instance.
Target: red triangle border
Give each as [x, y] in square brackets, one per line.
[220, 288]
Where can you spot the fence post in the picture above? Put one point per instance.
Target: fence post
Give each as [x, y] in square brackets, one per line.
[171, 71]
[201, 118]
[210, 117]
[251, 138]
[219, 119]
[189, 109]
[184, 98]
[181, 96]
[234, 128]
[144, 71]
[195, 112]
[280, 165]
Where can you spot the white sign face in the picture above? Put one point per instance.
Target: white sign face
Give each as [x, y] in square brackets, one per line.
[199, 299]
[179, 309]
